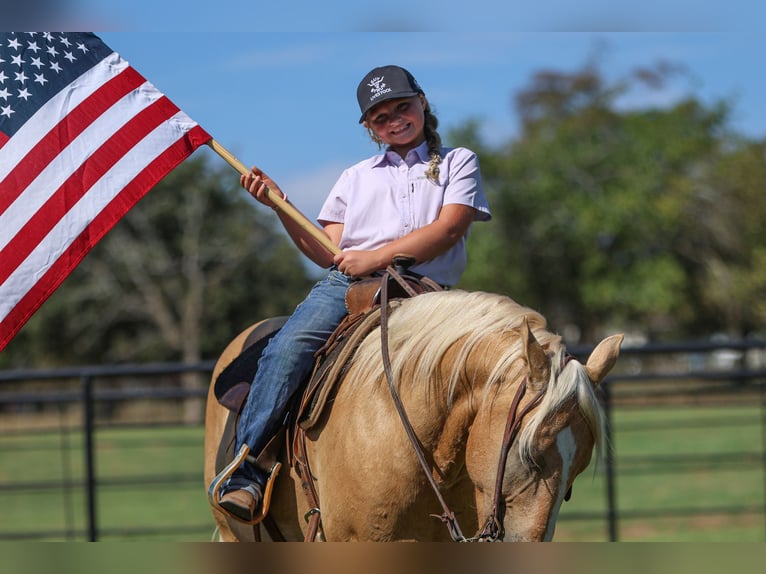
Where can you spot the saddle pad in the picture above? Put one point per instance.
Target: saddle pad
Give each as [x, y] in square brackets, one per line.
[233, 383]
[332, 367]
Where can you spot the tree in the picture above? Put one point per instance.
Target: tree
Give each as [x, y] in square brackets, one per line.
[731, 207]
[605, 216]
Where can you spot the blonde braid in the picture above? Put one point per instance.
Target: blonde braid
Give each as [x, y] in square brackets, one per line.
[434, 141]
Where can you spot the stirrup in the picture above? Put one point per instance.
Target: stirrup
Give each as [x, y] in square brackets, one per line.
[214, 490]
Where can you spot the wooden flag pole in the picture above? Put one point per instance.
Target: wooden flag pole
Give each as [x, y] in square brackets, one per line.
[282, 204]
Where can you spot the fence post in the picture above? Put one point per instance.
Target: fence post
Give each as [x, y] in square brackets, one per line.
[611, 498]
[763, 449]
[90, 476]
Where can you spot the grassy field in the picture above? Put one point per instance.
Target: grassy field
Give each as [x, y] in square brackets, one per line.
[683, 474]
[150, 486]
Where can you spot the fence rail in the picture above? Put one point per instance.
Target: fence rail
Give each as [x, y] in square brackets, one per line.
[691, 374]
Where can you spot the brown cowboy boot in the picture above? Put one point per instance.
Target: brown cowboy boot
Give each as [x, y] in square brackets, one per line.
[239, 492]
[244, 503]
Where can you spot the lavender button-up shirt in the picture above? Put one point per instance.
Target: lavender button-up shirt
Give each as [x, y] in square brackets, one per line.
[386, 197]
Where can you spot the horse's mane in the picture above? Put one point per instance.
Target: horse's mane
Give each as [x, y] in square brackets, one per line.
[423, 330]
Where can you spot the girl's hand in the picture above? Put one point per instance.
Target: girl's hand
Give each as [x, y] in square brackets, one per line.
[257, 183]
[358, 263]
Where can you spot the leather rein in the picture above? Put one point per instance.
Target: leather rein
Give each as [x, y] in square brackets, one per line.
[493, 529]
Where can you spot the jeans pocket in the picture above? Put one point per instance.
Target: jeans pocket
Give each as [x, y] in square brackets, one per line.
[337, 278]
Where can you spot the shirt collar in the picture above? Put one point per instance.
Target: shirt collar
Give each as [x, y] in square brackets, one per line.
[415, 155]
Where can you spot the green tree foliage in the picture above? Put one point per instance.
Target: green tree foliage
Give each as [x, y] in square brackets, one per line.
[734, 213]
[605, 218]
[177, 278]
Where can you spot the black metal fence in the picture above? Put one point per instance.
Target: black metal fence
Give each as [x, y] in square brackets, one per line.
[690, 375]
[686, 377]
[29, 395]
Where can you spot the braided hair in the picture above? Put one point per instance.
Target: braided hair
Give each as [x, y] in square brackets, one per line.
[434, 141]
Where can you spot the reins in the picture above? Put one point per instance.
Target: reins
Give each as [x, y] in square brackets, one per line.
[493, 529]
[448, 517]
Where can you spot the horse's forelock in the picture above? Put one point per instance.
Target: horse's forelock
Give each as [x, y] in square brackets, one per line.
[568, 379]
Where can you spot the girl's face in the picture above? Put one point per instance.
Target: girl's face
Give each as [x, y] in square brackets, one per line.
[399, 123]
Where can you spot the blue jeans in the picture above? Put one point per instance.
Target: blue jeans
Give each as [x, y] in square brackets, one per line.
[289, 358]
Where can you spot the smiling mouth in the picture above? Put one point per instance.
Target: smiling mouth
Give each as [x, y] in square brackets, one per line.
[403, 129]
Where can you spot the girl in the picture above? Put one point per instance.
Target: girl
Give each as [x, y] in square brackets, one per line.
[417, 198]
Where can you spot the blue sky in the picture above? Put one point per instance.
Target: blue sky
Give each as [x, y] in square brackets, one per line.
[403, 15]
[276, 82]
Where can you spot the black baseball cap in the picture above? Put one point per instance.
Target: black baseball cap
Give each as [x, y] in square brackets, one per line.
[385, 83]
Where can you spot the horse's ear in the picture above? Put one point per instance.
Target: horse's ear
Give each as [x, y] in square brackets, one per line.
[603, 358]
[537, 360]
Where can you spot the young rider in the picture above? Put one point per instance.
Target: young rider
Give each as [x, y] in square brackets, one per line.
[417, 197]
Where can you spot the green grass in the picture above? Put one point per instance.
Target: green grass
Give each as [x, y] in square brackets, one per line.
[157, 505]
[709, 459]
[674, 468]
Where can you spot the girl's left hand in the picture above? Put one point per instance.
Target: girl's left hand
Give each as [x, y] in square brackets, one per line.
[358, 263]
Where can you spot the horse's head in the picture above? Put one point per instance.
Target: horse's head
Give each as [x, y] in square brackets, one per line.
[551, 420]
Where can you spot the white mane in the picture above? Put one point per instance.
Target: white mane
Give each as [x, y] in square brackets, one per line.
[424, 329]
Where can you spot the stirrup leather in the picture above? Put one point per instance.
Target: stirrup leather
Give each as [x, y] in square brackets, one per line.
[214, 491]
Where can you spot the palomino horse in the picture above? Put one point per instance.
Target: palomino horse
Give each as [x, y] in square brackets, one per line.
[459, 361]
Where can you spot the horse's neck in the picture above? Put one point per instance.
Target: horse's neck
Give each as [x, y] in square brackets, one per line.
[449, 451]
[467, 377]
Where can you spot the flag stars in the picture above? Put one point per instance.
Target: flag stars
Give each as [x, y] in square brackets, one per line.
[34, 65]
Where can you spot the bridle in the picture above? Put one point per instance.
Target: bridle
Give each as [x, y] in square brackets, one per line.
[493, 529]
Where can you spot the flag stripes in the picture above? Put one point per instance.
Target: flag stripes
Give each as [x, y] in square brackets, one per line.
[70, 257]
[20, 175]
[72, 170]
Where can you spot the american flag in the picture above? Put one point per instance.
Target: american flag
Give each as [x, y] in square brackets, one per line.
[83, 137]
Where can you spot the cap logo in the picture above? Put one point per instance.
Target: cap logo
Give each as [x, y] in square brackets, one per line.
[377, 87]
